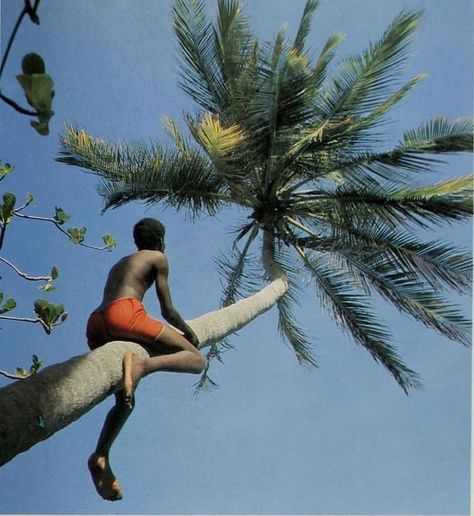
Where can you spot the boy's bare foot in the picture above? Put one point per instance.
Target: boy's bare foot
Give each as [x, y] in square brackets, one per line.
[132, 373]
[104, 480]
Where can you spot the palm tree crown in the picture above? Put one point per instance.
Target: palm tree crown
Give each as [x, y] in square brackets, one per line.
[299, 150]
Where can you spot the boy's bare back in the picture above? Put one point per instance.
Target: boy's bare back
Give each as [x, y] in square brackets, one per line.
[133, 275]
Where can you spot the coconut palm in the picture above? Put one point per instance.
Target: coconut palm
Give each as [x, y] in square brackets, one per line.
[298, 145]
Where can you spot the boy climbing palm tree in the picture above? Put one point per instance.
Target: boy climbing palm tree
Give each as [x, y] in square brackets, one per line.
[121, 316]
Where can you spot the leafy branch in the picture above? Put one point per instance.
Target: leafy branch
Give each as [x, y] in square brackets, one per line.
[47, 314]
[36, 83]
[20, 373]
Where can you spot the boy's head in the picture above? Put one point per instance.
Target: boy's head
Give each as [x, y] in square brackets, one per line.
[149, 234]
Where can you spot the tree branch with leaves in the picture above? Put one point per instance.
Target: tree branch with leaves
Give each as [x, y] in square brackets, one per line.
[46, 314]
[37, 85]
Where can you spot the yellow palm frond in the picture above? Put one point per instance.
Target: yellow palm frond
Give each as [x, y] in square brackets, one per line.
[219, 142]
[175, 134]
[457, 185]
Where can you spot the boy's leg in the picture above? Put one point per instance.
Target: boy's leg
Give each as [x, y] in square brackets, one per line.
[173, 353]
[104, 480]
[170, 352]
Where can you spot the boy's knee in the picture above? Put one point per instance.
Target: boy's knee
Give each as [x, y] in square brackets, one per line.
[199, 363]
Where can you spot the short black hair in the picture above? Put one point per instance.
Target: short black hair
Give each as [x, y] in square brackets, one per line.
[148, 233]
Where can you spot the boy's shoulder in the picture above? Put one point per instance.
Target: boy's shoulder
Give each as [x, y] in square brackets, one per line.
[154, 257]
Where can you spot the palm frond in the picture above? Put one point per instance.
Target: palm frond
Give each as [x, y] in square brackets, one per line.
[80, 149]
[364, 81]
[273, 93]
[236, 279]
[233, 270]
[182, 181]
[305, 25]
[148, 173]
[200, 73]
[234, 46]
[221, 144]
[363, 168]
[413, 156]
[409, 294]
[436, 262]
[175, 134]
[440, 135]
[288, 326]
[351, 310]
[215, 352]
[325, 58]
[376, 115]
[349, 206]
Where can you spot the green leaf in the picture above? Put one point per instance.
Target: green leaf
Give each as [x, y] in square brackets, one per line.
[21, 373]
[109, 241]
[48, 287]
[6, 209]
[441, 135]
[77, 235]
[61, 216]
[36, 364]
[38, 87]
[5, 170]
[9, 304]
[54, 273]
[50, 315]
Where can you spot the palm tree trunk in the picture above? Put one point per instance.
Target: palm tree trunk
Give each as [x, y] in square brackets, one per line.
[215, 326]
[33, 409]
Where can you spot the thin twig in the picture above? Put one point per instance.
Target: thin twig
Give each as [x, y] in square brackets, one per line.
[21, 319]
[2, 234]
[27, 9]
[56, 223]
[12, 376]
[23, 274]
[12, 37]
[45, 326]
[31, 12]
[16, 106]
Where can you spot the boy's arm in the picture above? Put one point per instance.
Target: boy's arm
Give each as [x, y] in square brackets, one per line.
[168, 310]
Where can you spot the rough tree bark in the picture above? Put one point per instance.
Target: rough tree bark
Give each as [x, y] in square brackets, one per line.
[33, 409]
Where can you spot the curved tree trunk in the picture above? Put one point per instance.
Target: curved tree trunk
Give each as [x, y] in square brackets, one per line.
[33, 409]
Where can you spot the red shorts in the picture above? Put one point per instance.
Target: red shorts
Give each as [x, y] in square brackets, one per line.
[123, 319]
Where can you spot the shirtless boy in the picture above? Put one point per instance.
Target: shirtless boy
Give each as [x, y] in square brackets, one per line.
[121, 316]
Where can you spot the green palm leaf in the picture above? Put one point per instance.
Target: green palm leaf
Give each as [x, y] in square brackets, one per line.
[409, 294]
[234, 45]
[200, 76]
[351, 310]
[233, 270]
[305, 25]
[364, 80]
[178, 180]
[441, 135]
[439, 263]
[449, 200]
[288, 326]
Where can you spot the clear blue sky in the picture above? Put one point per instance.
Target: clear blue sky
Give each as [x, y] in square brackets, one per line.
[275, 438]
